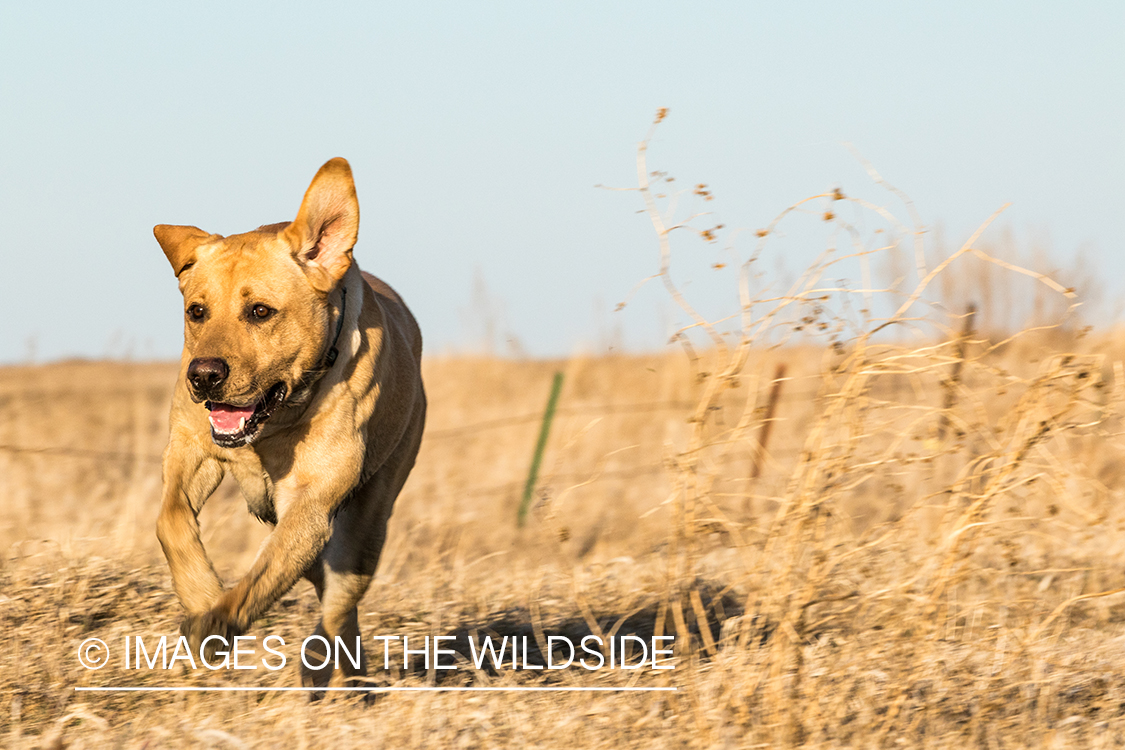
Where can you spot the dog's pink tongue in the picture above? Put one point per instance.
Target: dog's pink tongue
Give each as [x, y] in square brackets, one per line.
[226, 418]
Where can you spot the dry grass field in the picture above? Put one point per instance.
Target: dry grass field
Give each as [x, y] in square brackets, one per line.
[875, 583]
[868, 517]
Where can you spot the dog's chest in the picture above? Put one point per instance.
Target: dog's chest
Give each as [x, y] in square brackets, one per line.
[257, 488]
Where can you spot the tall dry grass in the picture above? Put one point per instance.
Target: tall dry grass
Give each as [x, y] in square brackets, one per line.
[868, 517]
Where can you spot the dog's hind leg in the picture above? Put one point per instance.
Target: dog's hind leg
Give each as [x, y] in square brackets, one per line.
[343, 573]
[341, 597]
[348, 562]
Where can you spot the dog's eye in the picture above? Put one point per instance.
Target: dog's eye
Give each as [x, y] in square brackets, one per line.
[196, 312]
[260, 312]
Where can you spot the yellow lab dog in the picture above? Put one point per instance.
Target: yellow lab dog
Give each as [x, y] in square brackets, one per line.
[300, 376]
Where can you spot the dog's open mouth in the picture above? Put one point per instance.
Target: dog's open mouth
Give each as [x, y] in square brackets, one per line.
[233, 426]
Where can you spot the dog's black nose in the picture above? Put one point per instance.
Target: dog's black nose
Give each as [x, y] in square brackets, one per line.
[207, 373]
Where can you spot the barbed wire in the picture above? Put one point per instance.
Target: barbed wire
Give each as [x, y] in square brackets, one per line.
[80, 453]
[474, 428]
[442, 434]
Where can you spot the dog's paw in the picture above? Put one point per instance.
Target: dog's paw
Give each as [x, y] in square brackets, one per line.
[199, 627]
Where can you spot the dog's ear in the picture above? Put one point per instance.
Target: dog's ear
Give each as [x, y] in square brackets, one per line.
[179, 244]
[326, 227]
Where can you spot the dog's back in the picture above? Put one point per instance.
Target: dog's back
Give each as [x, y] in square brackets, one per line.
[398, 311]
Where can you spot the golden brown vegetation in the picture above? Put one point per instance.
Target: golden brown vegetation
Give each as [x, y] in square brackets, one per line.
[925, 551]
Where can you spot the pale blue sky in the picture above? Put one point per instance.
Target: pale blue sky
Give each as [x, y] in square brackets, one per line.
[477, 132]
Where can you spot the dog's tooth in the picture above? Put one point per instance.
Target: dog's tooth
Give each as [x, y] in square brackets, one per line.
[241, 423]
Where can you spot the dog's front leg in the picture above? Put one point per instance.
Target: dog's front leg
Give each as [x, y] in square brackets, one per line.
[302, 531]
[189, 479]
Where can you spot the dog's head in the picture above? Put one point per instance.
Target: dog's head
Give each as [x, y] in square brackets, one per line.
[256, 305]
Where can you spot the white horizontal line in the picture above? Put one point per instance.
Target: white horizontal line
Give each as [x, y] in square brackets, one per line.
[254, 689]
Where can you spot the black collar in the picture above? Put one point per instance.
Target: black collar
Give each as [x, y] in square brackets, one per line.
[333, 352]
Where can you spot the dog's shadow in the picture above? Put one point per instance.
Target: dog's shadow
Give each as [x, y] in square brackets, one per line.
[569, 640]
